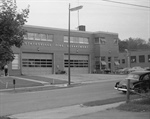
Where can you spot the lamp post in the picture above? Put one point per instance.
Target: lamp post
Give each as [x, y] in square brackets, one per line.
[128, 58]
[70, 9]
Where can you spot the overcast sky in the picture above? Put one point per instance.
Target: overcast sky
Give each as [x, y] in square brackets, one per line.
[96, 15]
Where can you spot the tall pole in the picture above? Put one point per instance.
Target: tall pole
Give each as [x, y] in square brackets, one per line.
[70, 9]
[69, 79]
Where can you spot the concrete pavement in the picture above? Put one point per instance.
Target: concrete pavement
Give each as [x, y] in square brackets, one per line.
[63, 112]
[114, 114]
[81, 112]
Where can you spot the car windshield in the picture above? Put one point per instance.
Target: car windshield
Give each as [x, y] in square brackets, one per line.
[133, 77]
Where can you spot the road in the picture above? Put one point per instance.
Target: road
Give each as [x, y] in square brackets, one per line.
[13, 103]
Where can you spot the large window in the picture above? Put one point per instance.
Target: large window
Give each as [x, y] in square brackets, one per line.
[100, 40]
[37, 62]
[38, 36]
[81, 40]
[133, 59]
[77, 63]
[15, 62]
[141, 58]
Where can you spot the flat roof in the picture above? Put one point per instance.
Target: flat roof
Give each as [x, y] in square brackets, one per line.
[61, 29]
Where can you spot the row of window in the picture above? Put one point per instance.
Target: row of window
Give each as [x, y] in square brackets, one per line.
[39, 37]
[102, 40]
[49, 37]
[103, 58]
[76, 63]
[80, 40]
[37, 62]
[133, 59]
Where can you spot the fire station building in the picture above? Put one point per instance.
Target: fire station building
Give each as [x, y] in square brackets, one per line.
[45, 51]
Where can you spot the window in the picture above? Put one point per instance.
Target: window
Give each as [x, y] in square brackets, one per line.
[148, 58]
[97, 40]
[31, 36]
[37, 63]
[123, 61]
[103, 58]
[141, 58]
[71, 39]
[66, 39]
[26, 37]
[49, 37]
[133, 59]
[116, 41]
[85, 40]
[37, 36]
[15, 62]
[97, 60]
[109, 59]
[76, 63]
[102, 40]
[80, 40]
[43, 37]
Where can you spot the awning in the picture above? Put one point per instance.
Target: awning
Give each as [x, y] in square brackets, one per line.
[117, 63]
[103, 62]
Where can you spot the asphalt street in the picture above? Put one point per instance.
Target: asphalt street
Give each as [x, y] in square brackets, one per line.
[14, 103]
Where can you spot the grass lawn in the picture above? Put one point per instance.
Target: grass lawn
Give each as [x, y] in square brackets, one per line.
[141, 105]
[136, 104]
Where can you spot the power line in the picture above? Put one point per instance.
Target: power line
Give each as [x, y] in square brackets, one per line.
[126, 3]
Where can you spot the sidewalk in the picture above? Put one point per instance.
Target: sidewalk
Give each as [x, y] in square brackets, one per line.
[81, 112]
[114, 114]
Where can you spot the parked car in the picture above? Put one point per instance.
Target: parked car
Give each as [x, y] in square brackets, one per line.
[128, 70]
[139, 82]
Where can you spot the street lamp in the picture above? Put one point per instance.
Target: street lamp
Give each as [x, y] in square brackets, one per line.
[128, 58]
[70, 9]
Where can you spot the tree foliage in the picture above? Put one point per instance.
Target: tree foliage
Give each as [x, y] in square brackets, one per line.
[133, 44]
[11, 29]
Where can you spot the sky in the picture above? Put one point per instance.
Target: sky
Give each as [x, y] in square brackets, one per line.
[97, 15]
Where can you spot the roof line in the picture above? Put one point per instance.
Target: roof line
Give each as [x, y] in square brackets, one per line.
[43, 27]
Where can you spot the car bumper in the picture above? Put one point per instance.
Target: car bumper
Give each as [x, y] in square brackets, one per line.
[120, 89]
[123, 89]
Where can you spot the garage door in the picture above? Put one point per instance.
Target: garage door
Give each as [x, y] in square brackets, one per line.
[79, 64]
[36, 64]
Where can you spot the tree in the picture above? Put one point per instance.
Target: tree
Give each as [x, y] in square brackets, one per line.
[11, 29]
[133, 44]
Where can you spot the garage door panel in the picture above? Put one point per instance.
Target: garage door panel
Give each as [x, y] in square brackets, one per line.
[79, 64]
[35, 64]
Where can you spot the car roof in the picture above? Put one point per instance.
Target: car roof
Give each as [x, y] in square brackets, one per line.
[140, 72]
